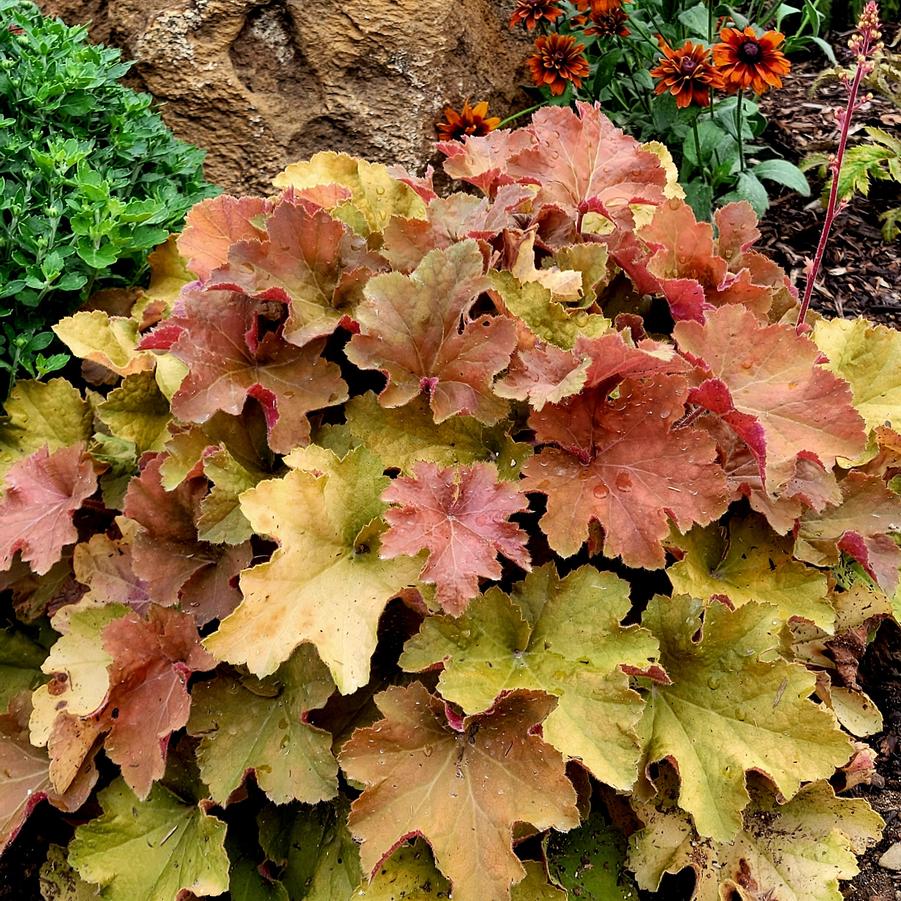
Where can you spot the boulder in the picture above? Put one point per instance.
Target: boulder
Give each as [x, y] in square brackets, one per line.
[261, 84]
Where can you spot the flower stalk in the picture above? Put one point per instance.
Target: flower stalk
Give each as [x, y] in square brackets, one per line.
[865, 43]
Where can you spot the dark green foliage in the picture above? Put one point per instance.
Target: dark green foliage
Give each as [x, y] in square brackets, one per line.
[90, 180]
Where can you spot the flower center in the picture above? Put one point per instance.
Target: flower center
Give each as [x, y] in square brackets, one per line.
[688, 65]
[749, 52]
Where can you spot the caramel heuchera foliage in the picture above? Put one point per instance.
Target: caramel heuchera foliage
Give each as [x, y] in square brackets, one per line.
[334, 572]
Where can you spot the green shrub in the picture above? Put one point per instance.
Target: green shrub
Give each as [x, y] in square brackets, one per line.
[90, 180]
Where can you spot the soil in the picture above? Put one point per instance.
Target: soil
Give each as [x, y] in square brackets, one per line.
[880, 677]
[861, 273]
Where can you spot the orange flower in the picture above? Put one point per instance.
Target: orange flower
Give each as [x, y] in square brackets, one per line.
[605, 24]
[601, 7]
[558, 59]
[531, 12]
[471, 120]
[747, 61]
[686, 73]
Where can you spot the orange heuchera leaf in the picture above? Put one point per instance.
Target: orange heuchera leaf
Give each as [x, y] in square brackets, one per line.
[234, 349]
[213, 225]
[410, 330]
[765, 382]
[810, 486]
[43, 492]
[693, 276]
[448, 220]
[859, 527]
[580, 162]
[167, 555]
[460, 783]
[147, 700]
[26, 776]
[584, 162]
[461, 516]
[308, 260]
[619, 462]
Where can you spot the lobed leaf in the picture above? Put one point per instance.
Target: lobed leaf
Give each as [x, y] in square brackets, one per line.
[460, 784]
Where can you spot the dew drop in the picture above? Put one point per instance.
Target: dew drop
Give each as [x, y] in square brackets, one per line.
[600, 490]
[623, 482]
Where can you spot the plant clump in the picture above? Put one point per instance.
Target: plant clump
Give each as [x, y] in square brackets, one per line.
[497, 543]
[91, 180]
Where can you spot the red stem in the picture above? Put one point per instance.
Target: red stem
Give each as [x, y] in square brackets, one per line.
[833, 193]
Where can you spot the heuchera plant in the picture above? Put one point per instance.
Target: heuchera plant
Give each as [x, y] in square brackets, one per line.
[508, 543]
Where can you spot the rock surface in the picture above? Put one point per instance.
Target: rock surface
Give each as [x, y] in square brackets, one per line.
[261, 84]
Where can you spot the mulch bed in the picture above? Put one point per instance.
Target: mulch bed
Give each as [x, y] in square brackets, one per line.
[861, 273]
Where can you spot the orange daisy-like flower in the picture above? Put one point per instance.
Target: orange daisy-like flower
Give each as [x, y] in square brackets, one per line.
[531, 12]
[471, 120]
[686, 73]
[600, 7]
[606, 24]
[557, 60]
[747, 61]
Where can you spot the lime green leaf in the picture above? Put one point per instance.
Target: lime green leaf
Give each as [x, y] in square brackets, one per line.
[744, 561]
[402, 436]
[111, 341]
[137, 411]
[247, 725]
[325, 584]
[799, 850]
[590, 861]
[320, 859]
[152, 849]
[375, 197]
[730, 710]
[549, 320]
[868, 356]
[560, 636]
[38, 413]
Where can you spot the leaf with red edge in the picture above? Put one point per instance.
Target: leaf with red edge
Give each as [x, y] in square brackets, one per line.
[410, 329]
[764, 381]
[234, 348]
[460, 515]
[582, 162]
[26, 776]
[692, 275]
[543, 374]
[859, 526]
[214, 225]
[149, 700]
[482, 160]
[451, 219]
[309, 261]
[166, 554]
[810, 485]
[619, 462]
[43, 491]
[149, 662]
[460, 783]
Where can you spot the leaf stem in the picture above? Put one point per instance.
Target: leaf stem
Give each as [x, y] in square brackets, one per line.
[739, 131]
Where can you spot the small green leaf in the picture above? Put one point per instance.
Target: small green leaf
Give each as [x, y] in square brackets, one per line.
[784, 173]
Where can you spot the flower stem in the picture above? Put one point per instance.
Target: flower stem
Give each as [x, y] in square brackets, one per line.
[832, 206]
[739, 131]
[523, 112]
[701, 167]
